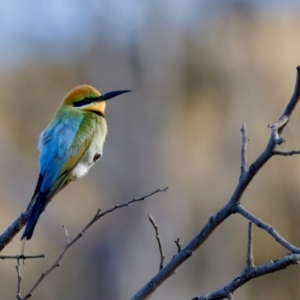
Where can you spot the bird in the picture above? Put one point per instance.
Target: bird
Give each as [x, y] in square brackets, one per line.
[70, 145]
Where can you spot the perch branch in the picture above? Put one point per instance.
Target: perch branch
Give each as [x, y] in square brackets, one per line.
[7, 236]
[69, 242]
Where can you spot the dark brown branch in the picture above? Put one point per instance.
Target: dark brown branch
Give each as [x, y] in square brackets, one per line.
[276, 129]
[249, 274]
[69, 242]
[278, 238]
[160, 247]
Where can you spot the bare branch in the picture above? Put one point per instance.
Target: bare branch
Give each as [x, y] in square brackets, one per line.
[69, 242]
[277, 139]
[244, 163]
[273, 232]
[66, 234]
[8, 235]
[179, 248]
[284, 153]
[100, 215]
[19, 277]
[293, 102]
[276, 129]
[250, 258]
[23, 257]
[160, 247]
[249, 274]
[178, 244]
[49, 270]
[19, 280]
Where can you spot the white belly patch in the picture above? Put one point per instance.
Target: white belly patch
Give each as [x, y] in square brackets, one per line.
[80, 170]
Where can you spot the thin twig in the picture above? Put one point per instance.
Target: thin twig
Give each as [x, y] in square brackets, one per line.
[178, 244]
[273, 232]
[160, 247]
[66, 234]
[276, 129]
[179, 248]
[22, 256]
[244, 163]
[131, 202]
[69, 242]
[284, 153]
[19, 297]
[7, 236]
[250, 258]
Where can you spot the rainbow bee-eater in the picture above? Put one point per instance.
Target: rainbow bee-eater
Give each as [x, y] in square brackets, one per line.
[70, 145]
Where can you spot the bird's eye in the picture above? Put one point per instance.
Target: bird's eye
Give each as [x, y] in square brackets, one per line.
[84, 101]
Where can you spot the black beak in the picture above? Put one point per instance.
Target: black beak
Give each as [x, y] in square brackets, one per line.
[110, 95]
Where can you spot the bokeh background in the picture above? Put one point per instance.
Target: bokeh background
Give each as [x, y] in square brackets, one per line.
[198, 70]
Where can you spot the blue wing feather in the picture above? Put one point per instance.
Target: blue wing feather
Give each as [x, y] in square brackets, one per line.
[54, 145]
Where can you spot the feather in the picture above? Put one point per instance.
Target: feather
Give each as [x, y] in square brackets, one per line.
[62, 145]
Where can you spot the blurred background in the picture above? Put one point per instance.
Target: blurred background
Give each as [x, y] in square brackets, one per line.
[198, 70]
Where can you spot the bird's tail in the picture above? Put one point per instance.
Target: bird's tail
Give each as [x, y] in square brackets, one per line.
[38, 207]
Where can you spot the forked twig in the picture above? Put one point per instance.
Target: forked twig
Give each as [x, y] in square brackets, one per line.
[269, 229]
[178, 244]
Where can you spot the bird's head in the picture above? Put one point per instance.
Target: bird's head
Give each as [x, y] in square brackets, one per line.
[87, 98]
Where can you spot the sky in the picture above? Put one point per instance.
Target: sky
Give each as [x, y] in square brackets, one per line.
[65, 29]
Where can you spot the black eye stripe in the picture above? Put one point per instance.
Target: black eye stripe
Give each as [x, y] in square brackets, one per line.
[84, 101]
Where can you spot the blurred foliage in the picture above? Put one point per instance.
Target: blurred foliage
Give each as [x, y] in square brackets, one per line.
[196, 77]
